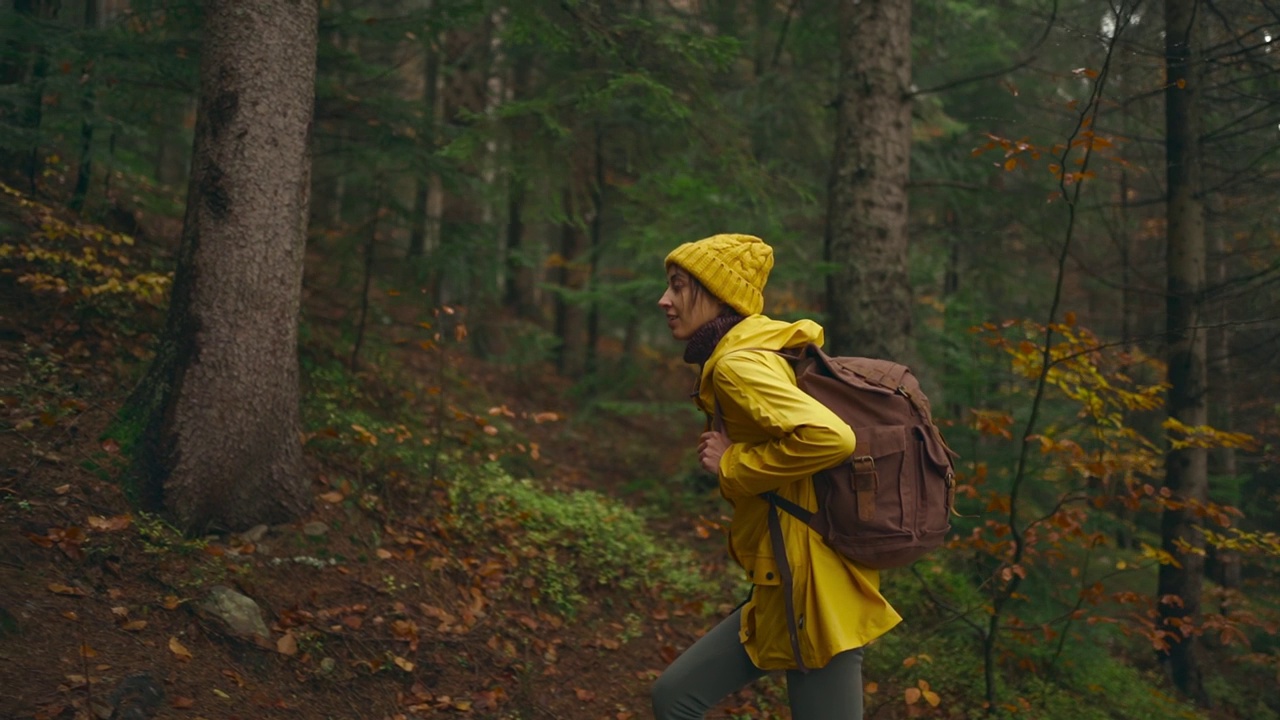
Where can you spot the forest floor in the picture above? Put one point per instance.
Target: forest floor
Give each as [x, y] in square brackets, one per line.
[376, 605]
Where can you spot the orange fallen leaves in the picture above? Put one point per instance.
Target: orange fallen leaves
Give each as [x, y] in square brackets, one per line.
[111, 524]
[179, 650]
[60, 589]
[287, 644]
[922, 691]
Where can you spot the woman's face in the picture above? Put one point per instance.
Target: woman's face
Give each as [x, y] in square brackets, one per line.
[687, 306]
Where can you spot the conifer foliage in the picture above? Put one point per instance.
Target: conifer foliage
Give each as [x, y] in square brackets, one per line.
[1061, 213]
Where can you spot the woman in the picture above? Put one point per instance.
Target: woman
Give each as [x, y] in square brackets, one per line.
[774, 438]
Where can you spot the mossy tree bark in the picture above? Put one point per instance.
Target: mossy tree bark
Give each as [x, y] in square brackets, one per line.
[1186, 469]
[218, 409]
[868, 296]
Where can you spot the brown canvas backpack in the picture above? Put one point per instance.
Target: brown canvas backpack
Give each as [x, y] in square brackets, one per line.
[891, 501]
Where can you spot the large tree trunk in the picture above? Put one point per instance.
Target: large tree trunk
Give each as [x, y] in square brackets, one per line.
[220, 445]
[868, 296]
[1186, 470]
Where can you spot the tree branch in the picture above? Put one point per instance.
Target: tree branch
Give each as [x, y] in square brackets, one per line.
[782, 34]
[1027, 60]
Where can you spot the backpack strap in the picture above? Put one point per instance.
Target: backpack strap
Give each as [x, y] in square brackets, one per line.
[784, 573]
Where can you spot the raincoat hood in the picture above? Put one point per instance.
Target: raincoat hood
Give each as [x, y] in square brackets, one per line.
[756, 332]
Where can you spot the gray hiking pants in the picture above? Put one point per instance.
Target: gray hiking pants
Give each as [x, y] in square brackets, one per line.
[717, 665]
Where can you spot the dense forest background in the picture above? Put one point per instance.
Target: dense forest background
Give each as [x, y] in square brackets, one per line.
[350, 308]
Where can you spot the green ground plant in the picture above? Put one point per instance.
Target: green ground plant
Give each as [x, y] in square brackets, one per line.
[575, 539]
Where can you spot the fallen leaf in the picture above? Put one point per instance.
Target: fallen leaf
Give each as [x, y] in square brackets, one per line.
[70, 615]
[221, 694]
[871, 688]
[62, 489]
[111, 524]
[584, 695]
[913, 696]
[86, 651]
[134, 625]
[182, 702]
[383, 554]
[404, 664]
[287, 644]
[61, 589]
[111, 446]
[178, 649]
[170, 602]
[333, 497]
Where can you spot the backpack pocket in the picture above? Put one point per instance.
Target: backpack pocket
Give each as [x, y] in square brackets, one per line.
[862, 501]
[933, 488]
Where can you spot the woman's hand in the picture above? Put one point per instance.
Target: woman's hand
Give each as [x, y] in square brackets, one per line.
[711, 447]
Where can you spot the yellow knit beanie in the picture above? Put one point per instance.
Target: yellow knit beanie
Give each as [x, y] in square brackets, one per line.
[732, 267]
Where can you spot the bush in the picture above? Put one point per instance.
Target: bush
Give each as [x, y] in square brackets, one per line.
[572, 540]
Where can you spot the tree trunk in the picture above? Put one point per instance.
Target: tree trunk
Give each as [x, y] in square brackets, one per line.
[1186, 470]
[868, 296]
[595, 248]
[29, 111]
[84, 172]
[464, 93]
[571, 316]
[521, 291]
[1221, 564]
[430, 108]
[219, 406]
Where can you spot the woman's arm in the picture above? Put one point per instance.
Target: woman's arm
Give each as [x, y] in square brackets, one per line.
[804, 436]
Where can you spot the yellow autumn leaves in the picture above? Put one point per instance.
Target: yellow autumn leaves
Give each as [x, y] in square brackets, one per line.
[63, 257]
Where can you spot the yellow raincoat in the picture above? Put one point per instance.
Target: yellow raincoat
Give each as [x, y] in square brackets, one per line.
[781, 437]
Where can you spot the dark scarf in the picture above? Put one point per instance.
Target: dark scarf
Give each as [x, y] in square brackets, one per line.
[705, 338]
